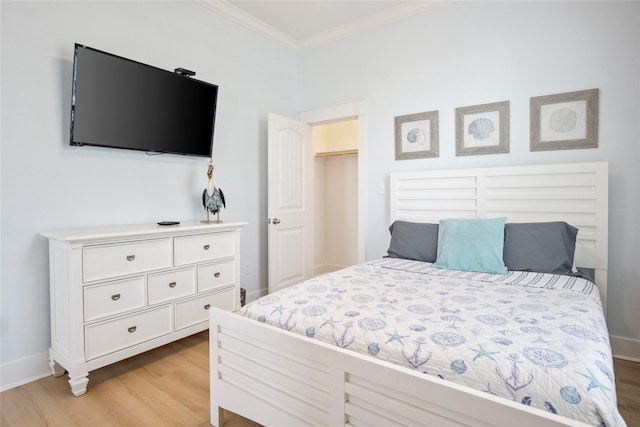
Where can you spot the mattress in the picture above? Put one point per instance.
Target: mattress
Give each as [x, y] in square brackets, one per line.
[538, 339]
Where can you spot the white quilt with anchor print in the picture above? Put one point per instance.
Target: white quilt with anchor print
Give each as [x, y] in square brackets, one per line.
[538, 339]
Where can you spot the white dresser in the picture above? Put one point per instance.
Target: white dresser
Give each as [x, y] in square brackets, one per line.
[119, 291]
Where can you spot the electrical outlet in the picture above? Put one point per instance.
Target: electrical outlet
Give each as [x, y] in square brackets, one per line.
[247, 270]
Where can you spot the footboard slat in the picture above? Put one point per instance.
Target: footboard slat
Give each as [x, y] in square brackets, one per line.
[279, 397]
[305, 392]
[284, 361]
[358, 390]
[379, 405]
[358, 416]
[401, 402]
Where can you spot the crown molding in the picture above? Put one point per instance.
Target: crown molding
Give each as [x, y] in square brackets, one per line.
[378, 19]
[238, 15]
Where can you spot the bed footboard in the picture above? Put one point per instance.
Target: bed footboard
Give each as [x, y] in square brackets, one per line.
[275, 377]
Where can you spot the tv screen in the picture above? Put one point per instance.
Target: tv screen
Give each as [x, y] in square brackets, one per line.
[120, 103]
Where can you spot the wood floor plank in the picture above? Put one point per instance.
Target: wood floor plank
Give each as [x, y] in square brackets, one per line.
[628, 390]
[169, 386]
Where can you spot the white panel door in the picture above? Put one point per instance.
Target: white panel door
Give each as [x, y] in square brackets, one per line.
[290, 205]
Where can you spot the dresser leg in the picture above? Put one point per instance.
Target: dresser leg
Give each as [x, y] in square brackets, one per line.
[79, 384]
[219, 420]
[56, 370]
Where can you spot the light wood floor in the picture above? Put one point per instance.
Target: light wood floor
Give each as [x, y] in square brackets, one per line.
[169, 386]
[628, 390]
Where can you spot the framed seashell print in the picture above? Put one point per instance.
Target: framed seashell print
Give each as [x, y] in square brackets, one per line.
[482, 129]
[416, 135]
[564, 121]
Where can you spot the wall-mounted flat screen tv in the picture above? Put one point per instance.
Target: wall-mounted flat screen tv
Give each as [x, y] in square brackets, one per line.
[120, 103]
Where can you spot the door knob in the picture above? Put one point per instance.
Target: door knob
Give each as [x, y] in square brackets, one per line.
[276, 221]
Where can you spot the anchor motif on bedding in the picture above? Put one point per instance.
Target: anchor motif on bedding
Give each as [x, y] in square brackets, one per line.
[289, 323]
[514, 379]
[343, 340]
[277, 309]
[416, 358]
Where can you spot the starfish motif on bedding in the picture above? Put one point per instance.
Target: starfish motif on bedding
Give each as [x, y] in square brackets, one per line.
[395, 337]
[482, 352]
[595, 382]
[383, 313]
[330, 322]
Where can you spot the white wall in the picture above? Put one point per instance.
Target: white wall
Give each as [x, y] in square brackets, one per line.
[468, 53]
[48, 185]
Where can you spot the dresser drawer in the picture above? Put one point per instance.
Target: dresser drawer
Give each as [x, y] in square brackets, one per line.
[216, 275]
[203, 247]
[108, 337]
[120, 259]
[171, 285]
[196, 310]
[111, 298]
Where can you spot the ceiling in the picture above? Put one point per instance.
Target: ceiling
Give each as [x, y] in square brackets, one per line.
[313, 22]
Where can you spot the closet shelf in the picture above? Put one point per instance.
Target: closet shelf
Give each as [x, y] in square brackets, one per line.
[336, 153]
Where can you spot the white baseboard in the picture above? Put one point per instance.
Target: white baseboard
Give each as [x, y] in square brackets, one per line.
[625, 348]
[23, 371]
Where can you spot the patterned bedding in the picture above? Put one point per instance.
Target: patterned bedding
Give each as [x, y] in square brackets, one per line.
[534, 338]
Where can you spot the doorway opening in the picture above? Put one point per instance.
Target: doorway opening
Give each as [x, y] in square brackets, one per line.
[353, 116]
[335, 195]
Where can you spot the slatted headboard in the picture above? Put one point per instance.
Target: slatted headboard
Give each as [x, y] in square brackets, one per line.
[576, 193]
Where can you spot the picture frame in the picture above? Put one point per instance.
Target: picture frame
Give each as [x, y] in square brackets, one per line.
[416, 136]
[564, 121]
[482, 129]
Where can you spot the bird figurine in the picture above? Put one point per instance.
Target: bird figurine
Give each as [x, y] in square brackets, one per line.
[212, 197]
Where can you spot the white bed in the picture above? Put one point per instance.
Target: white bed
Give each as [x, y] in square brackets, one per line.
[276, 377]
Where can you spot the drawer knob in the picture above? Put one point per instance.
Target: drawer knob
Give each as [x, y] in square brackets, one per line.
[206, 247]
[216, 274]
[132, 329]
[207, 307]
[172, 284]
[115, 297]
[131, 257]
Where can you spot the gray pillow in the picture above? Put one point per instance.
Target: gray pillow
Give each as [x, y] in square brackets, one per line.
[545, 247]
[412, 240]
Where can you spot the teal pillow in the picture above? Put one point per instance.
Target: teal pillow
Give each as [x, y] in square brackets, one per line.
[471, 245]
